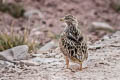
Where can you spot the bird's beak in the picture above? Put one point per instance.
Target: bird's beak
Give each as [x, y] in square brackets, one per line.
[62, 19]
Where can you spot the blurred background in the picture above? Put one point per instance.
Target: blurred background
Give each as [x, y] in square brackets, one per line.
[37, 21]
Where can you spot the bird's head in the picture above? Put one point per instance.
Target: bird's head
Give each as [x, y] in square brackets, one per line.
[69, 19]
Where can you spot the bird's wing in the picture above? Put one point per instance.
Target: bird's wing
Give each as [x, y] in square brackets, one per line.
[82, 30]
[72, 38]
[83, 50]
[62, 45]
[77, 39]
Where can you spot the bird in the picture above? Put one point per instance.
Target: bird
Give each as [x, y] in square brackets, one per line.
[72, 42]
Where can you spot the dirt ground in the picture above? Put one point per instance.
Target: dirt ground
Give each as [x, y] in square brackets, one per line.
[103, 64]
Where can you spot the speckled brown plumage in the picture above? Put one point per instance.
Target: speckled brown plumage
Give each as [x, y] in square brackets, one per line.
[72, 42]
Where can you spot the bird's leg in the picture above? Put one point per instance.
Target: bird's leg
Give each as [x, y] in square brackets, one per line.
[80, 66]
[67, 61]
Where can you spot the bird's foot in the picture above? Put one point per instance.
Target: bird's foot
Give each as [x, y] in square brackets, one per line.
[80, 69]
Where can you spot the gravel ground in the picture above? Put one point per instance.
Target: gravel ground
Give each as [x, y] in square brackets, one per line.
[103, 64]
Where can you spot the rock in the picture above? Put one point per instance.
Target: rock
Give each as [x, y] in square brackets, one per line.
[33, 12]
[29, 63]
[15, 53]
[101, 26]
[48, 46]
[44, 60]
[37, 55]
[5, 64]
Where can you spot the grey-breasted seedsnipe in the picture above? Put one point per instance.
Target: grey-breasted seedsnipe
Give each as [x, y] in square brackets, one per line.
[72, 43]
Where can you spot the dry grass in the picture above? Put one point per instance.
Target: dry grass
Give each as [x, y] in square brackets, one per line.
[14, 9]
[11, 40]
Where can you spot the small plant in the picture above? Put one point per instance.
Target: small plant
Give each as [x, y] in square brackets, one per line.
[14, 9]
[11, 40]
